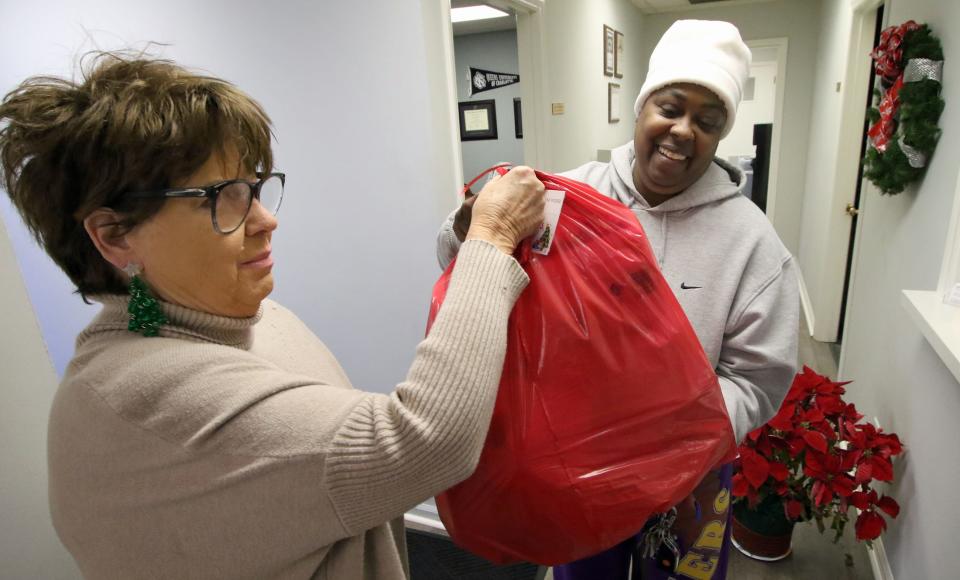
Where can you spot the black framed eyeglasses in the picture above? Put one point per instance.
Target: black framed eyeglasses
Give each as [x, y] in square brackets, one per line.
[230, 200]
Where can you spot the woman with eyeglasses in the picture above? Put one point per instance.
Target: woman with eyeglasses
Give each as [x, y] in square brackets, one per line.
[201, 430]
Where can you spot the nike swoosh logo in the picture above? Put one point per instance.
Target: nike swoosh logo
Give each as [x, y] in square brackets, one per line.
[683, 286]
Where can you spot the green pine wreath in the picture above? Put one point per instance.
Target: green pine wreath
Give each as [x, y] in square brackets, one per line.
[916, 119]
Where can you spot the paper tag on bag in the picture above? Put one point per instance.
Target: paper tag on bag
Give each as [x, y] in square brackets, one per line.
[551, 216]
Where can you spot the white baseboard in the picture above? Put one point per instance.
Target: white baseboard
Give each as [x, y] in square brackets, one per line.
[879, 562]
[805, 302]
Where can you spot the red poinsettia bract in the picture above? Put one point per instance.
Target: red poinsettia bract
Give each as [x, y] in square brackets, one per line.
[819, 457]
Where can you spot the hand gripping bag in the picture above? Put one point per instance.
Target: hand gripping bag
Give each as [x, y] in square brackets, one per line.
[607, 412]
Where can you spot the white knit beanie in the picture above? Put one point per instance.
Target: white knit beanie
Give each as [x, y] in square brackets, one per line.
[708, 53]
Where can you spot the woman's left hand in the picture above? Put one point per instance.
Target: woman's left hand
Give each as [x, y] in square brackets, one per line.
[461, 221]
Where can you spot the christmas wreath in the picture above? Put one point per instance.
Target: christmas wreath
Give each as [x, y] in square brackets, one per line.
[903, 131]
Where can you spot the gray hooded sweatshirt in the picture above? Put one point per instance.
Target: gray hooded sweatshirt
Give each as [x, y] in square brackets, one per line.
[727, 267]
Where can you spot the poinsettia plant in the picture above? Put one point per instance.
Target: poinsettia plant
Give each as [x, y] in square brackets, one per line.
[819, 457]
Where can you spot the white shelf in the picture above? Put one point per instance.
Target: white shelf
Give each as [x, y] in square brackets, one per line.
[939, 323]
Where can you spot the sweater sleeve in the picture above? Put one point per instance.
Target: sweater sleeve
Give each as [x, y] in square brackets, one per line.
[269, 452]
[393, 451]
[447, 242]
[758, 358]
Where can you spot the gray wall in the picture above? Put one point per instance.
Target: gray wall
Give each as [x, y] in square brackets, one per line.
[798, 21]
[355, 243]
[357, 94]
[495, 51]
[897, 375]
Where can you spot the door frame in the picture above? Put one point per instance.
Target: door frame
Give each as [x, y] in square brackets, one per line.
[780, 45]
[533, 85]
[854, 86]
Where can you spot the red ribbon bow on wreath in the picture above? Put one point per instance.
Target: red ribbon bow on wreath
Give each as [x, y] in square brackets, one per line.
[881, 131]
[889, 52]
[889, 65]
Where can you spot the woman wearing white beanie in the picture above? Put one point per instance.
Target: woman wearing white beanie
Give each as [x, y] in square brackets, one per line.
[729, 270]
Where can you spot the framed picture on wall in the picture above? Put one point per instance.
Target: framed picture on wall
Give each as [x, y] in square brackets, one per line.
[609, 50]
[618, 54]
[478, 120]
[613, 103]
[517, 119]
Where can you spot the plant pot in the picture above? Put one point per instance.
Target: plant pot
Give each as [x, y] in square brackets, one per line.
[763, 533]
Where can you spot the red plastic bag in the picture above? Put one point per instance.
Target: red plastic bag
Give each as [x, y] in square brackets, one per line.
[608, 410]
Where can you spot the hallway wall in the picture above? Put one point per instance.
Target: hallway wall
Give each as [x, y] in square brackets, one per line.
[574, 50]
[359, 98]
[897, 375]
[798, 21]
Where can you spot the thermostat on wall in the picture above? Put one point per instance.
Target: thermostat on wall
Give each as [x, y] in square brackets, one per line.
[556, 108]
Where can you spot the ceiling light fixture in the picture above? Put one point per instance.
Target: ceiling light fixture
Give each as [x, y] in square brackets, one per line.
[468, 13]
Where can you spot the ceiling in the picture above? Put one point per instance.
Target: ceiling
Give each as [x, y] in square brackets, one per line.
[479, 26]
[645, 6]
[658, 6]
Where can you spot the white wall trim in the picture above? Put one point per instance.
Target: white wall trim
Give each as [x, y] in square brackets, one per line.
[879, 562]
[805, 301]
[950, 269]
[938, 322]
[519, 5]
[781, 45]
[854, 88]
[531, 58]
[439, 15]
[424, 524]
[531, 67]
[864, 5]
[866, 191]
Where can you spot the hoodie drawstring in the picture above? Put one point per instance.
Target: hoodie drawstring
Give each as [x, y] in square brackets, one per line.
[663, 240]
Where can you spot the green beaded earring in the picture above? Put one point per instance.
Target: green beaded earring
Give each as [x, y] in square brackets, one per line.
[146, 317]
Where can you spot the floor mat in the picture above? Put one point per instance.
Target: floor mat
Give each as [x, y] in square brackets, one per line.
[437, 558]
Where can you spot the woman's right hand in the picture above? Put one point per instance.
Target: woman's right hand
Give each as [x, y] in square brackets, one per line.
[508, 209]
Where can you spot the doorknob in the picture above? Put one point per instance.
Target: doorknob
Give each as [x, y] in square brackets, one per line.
[852, 210]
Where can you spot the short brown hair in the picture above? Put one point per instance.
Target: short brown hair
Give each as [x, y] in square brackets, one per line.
[129, 124]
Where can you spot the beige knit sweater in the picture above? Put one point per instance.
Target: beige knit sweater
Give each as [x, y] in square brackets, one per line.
[237, 448]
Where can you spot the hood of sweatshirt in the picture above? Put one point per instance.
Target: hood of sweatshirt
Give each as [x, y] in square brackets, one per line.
[720, 181]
